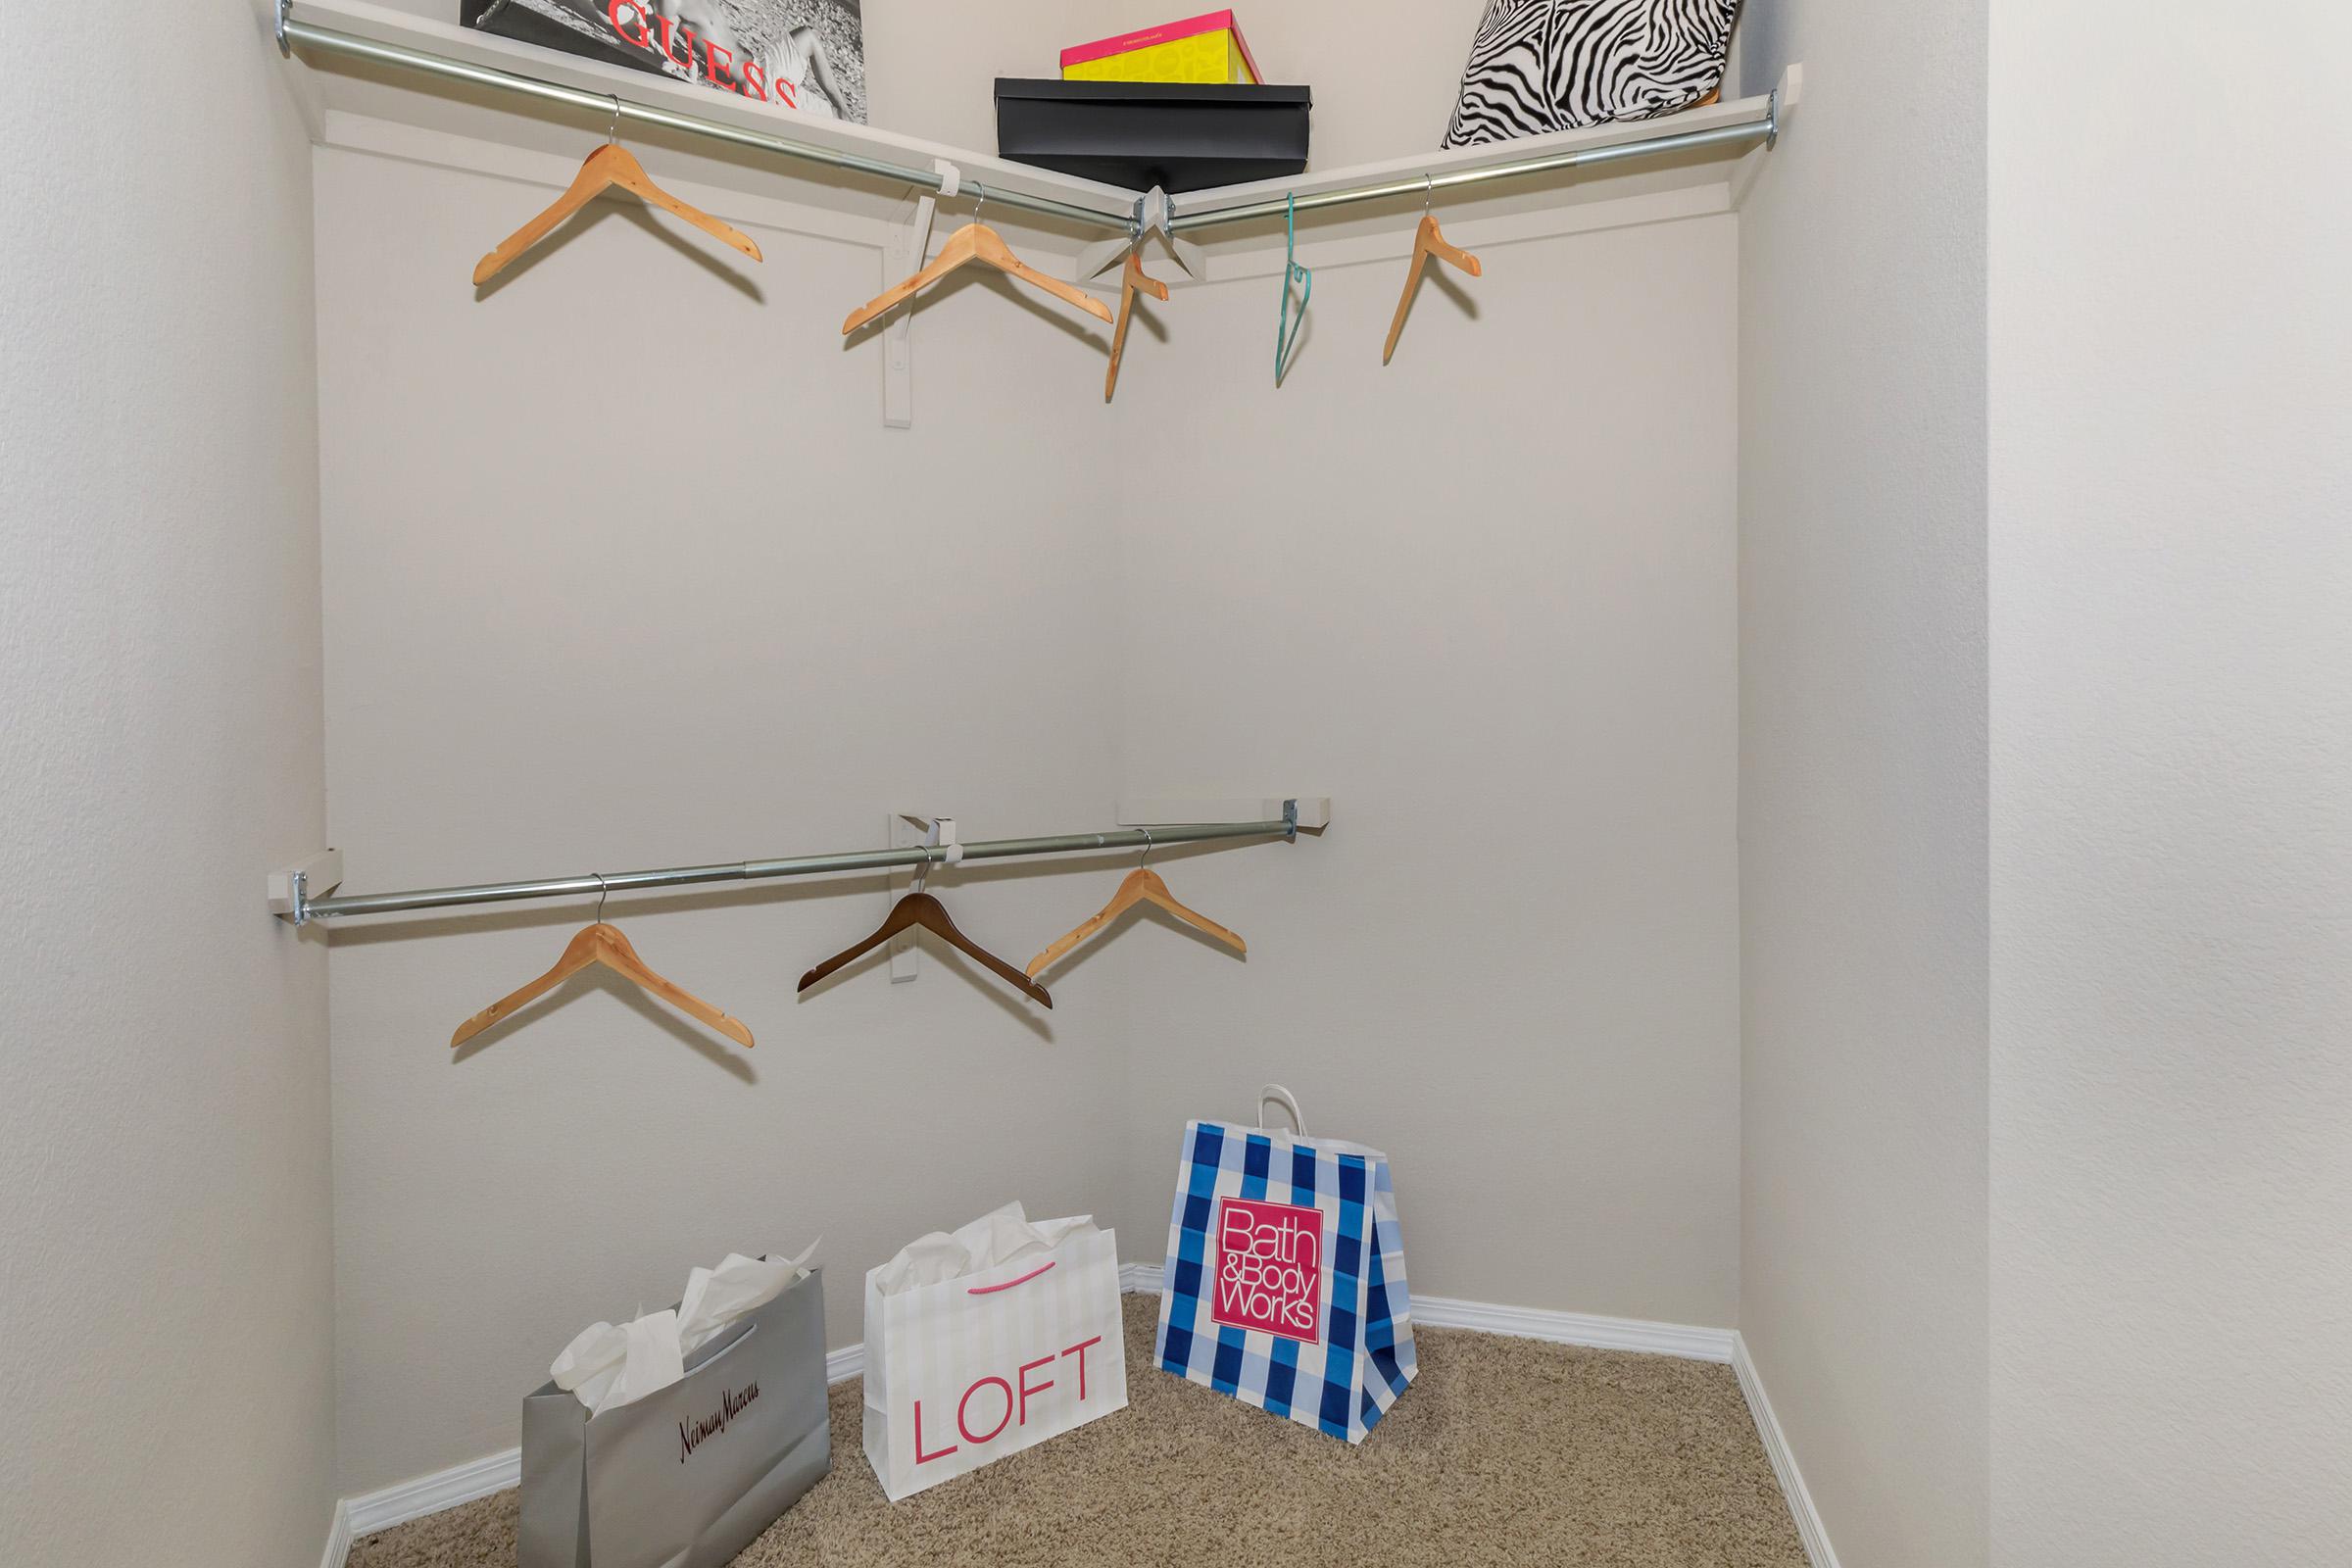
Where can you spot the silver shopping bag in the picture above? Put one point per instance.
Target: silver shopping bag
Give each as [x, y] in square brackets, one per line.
[689, 1475]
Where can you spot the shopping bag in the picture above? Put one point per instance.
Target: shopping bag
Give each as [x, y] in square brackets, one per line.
[986, 1341]
[687, 1475]
[1285, 1283]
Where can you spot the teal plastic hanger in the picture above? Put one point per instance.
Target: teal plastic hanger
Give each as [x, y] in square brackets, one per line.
[1285, 336]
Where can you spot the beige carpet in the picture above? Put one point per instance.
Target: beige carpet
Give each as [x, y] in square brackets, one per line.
[1503, 1452]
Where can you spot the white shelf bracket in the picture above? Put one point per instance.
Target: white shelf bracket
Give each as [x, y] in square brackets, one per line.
[905, 250]
[1780, 105]
[292, 887]
[1152, 210]
[909, 829]
[1309, 812]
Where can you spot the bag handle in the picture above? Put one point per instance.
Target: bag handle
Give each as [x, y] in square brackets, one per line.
[990, 1290]
[750, 1328]
[1285, 1098]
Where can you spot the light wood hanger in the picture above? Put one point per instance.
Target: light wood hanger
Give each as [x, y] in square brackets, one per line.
[1428, 241]
[975, 242]
[603, 943]
[608, 165]
[1130, 280]
[924, 911]
[1141, 887]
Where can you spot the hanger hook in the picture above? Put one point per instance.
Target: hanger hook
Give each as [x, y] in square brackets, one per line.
[603, 890]
[1146, 833]
[1426, 189]
[613, 135]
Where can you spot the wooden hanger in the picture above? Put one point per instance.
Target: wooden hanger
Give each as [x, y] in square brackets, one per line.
[608, 165]
[1427, 242]
[1131, 279]
[1141, 887]
[973, 242]
[922, 910]
[601, 943]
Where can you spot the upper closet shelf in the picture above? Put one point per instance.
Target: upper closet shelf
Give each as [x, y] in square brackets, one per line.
[1694, 134]
[390, 66]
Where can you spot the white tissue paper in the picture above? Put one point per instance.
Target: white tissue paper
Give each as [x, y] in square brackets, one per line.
[717, 1296]
[1002, 1236]
[609, 1364]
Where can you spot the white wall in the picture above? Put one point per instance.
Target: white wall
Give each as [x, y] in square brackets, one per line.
[165, 1284]
[2172, 790]
[622, 570]
[1487, 599]
[1862, 773]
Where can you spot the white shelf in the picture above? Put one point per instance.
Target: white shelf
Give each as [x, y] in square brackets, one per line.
[1493, 155]
[339, 86]
[387, 109]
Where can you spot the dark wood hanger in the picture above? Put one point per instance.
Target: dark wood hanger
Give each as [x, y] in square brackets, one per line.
[603, 943]
[924, 911]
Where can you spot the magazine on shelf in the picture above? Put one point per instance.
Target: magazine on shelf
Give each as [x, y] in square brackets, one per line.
[803, 55]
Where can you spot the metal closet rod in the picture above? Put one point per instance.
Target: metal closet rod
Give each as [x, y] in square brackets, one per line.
[1763, 129]
[1284, 826]
[329, 40]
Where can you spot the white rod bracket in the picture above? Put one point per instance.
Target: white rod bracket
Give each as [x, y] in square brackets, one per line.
[909, 830]
[292, 887]
[1309, 812]
[904, 252]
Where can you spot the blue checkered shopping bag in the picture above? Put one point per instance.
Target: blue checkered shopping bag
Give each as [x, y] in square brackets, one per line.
[1286, 1274]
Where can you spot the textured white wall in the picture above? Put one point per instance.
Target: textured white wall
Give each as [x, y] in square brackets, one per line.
[1487, 599]
[1862, 776]
[621, 569]
[2172, 801]
[165, 1282]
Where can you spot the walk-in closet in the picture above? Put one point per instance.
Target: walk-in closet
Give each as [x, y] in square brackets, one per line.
[857, 782]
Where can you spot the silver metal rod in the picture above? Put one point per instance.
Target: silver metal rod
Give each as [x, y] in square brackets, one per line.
[306, 909]
[328, 40]
[1745, 130]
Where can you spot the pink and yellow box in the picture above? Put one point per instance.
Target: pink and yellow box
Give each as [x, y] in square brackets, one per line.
[1205, 48]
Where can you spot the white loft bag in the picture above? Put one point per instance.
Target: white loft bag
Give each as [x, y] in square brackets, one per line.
[985, 1342]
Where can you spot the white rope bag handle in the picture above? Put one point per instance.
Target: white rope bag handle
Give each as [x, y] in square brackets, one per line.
[1285, 1098]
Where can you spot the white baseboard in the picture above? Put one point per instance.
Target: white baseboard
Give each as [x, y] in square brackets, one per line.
[372, 1511]
[444, 1489]
[1809, 1528]
[413, 1500]
[338, 1538]
[1685, 1340]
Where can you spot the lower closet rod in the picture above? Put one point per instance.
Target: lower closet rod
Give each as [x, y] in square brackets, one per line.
[1284, 826]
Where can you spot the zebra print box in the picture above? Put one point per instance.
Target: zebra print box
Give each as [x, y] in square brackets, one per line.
[1557, 65]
